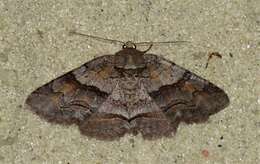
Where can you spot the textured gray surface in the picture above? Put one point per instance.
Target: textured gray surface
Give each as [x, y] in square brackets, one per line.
[35, 48]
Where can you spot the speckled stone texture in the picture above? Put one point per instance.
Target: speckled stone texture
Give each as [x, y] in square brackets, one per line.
[35, 47]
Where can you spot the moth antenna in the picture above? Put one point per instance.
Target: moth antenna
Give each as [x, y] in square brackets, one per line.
[148, 49]
[97, 37]
[129, 43]
[158, 43]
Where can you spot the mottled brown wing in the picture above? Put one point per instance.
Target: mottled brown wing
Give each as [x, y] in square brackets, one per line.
[68, 99]
[99, 72]
[182, 95]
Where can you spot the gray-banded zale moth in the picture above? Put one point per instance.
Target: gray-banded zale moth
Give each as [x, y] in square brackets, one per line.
[129, 92]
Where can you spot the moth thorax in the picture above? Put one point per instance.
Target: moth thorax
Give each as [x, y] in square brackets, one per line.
[130, 58]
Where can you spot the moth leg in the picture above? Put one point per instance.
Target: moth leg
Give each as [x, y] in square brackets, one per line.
[104, 126]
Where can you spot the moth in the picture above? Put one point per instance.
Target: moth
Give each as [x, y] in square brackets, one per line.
[130, 92]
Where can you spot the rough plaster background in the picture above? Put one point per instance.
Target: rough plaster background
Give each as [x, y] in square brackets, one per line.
[35, 47]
